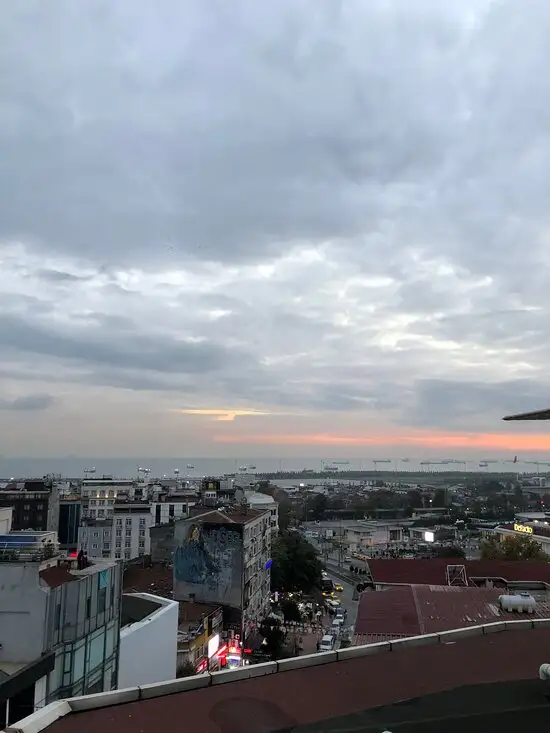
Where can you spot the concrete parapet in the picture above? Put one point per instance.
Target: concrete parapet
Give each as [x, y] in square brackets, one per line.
[409, 641]
[366, 650]
[171, 687]
[308, 660]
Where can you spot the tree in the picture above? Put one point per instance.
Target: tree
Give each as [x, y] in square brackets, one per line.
[512, 548]
[186, 669]
[291, 612]
[318, 506]
[440, 498]
[295, 566]
[270, 629]
[452, 551]
[285, 514]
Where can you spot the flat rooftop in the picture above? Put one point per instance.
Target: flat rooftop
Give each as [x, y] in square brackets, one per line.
[318, 692]
[413, 610]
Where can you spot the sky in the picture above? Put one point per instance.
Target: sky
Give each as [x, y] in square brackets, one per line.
[306, 227]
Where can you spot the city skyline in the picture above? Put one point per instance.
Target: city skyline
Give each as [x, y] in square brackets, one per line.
[292, 229]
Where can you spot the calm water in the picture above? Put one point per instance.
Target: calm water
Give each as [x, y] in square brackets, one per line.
[73, 467]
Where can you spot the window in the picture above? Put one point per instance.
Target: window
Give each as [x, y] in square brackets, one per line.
[119, 533]
[118, 543]
[127, 543]
[142, 521]
[170, 510]
[57, 616]
[95, 534]
[39, 507]
[88, 607]
[101, 600]
[119, 522]
[94, 545]
[157, 514]
[142, 533]
[128, 521]
[128, 533]
[142, 544]
[26, 507]
[117, 555]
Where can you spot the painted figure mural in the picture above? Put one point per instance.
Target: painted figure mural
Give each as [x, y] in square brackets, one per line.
[208, 563]
[193, 562]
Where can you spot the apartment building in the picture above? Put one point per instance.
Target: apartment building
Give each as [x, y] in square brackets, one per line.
[224, 557]
[35, 505]
[124, 535]
[98, 496]
[59, 625]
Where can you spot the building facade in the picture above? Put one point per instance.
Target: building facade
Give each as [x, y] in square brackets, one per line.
[124, 535]
[225, 558]
[58, 609]
[35, 505]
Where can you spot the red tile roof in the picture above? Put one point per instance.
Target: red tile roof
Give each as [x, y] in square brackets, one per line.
[422, 609]
[433, 571]
[310, 695]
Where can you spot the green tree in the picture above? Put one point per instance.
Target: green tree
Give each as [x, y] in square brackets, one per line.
[318, 507]
[295, 566]
[440, 498]
[291, 612]
[512, 548]
[450, 552]
[285, 515]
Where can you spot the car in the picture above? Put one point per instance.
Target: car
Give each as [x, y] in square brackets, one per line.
[339, 587]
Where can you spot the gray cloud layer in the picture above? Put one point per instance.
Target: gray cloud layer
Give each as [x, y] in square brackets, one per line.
[318, 205]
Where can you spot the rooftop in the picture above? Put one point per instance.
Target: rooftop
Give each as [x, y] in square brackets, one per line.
[433, 571]
[420, 609]
[353, 689]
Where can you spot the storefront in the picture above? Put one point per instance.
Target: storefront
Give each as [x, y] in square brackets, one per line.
[534, 530]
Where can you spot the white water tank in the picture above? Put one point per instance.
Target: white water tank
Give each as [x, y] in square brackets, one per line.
[520, 602]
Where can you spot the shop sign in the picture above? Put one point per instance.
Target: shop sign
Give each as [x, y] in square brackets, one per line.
[523, 528]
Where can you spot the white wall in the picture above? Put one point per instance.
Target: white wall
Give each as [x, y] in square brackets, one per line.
[5, 519]
[40, 690]
[149, 648]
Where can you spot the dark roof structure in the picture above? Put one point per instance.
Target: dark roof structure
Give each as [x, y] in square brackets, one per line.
[433, 571]
[536, 415]
[360, 688]
[422, 609]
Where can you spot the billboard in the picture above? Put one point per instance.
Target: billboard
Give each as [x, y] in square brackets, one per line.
[208, 563]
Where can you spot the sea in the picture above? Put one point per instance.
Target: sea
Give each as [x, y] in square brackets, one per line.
[75, 467]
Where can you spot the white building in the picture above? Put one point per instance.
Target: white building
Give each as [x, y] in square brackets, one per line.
[98, 496]
[257, 500]
[148, 647]
[6, 514]
[122, 536]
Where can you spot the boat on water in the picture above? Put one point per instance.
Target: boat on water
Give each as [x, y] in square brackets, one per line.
[190, 466]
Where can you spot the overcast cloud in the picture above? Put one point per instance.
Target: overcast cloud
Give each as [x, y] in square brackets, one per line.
[336, 211]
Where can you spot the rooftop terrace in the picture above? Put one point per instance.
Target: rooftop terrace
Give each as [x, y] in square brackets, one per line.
[353, 689]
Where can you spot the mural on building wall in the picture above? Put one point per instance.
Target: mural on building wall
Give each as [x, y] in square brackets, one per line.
[208, 563]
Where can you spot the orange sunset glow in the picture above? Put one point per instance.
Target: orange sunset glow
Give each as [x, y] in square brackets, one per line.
[496, 441]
